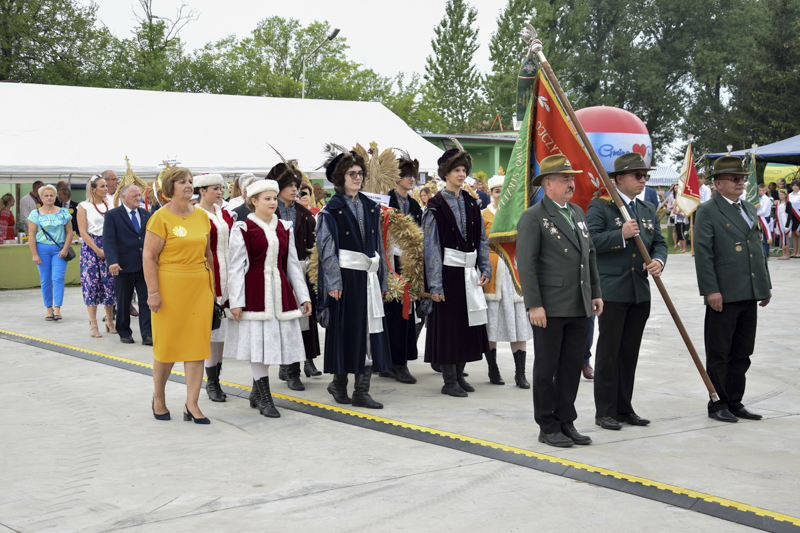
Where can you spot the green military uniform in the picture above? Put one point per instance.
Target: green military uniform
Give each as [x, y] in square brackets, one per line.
[626, 298]
[730, 260]
[557, 270]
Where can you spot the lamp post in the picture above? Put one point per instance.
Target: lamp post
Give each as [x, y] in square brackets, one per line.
[330, 37]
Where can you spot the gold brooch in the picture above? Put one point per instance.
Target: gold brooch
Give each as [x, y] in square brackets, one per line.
[179, 231]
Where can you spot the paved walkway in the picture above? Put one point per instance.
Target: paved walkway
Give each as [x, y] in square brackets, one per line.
[82, 451]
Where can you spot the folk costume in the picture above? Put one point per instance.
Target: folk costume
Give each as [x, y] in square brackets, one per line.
[265, 280]
[402, 330]
[626, 296]
[456, 255]
[351, 259]
[508, 319]
[303, 223]
[221, 224]
[557, 270]
[730, 260]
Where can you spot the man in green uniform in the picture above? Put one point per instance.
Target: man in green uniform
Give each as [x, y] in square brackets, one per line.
[561, 289]
[626, 289]
[733, 276]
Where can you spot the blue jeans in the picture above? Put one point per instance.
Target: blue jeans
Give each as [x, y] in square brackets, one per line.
[587, 352]
[766, 242]
[51, 274]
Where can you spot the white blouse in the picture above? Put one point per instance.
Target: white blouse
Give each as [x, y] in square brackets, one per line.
[94, 219]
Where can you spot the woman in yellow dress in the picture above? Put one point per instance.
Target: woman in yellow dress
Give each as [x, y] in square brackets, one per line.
[180, 288]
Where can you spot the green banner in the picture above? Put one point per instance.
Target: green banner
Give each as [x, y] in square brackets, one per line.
[752, 183]
[525, 83]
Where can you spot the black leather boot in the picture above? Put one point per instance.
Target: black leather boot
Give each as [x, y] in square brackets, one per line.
[338, 388]
[451, 386]
[519, 375]
[282, 373]
[266, 406]
[219, 373]
[310, 369]
[361, 397]
[436, 368]
[293, 377]
[403, 375]
[389, 373]
[254, 395]
[461, 381]
[494, 373]
[212, 385]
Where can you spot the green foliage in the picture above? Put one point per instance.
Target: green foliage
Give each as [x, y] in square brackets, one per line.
[454, 83]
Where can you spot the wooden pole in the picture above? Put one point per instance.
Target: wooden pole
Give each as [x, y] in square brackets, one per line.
[551, 77]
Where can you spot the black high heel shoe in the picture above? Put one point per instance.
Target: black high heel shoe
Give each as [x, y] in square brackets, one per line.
[187, 416]
[159, 417]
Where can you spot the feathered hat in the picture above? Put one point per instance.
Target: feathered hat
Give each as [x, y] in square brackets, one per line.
[285, 173]
[454, 157]
[339, 161]
[408, 166]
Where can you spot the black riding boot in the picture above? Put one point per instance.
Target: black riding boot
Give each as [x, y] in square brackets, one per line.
[451, 386]
[266, 406]
[310, 369]
[283, 372]
[219, 373]
[436, 368]
[293, 377]
[212, 386]
[461, 381]
[403, 375]
[338, 388]
[361, 397]
[389, 373]
[494, 373]
[519, 375]
[254, 395]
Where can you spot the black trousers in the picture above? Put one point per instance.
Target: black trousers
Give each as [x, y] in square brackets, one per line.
[402, 333]
[558, 358]
[124, 285]
[621, 328]
[730, 337]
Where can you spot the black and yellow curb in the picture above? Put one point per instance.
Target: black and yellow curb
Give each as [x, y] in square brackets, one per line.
[707, 504]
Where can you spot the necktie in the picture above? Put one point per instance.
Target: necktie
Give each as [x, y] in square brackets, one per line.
[634, 210]
[738, 207]
[135, 221]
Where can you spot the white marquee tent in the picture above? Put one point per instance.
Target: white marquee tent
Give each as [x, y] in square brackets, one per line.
[70, 133]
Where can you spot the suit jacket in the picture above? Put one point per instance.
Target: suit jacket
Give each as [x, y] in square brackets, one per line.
[728, 256]
[651, 196]
[622, 277]
[121, 243]
[557, 268]
[241, 212]
[73, 210]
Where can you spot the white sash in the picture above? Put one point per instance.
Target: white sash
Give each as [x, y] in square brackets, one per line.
[358, 261]
[476, 301]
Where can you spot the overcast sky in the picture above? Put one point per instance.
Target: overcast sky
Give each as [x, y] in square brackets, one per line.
[388, 37]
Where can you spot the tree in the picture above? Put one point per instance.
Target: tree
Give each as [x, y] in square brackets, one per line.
[506, 51]
[453, 79]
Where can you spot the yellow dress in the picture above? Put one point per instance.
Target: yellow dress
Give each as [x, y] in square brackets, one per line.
[182, 326]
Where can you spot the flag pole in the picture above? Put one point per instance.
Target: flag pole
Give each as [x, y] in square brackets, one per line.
[537, 48]
[692, 220]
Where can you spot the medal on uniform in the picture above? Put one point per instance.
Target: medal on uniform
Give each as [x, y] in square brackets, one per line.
[546, 223]
[582, 225]
[554, 230]
[618, 221]
[649, 225]
[738, 247]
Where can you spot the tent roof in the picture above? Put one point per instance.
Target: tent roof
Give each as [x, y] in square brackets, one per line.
[663, 176]
[54, 131]
[785, 151]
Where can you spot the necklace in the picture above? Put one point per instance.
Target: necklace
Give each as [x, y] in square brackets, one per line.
[102, 213]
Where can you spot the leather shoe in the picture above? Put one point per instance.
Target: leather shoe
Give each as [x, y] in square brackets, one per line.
[606, 422]
[588, 372]
[126, 340]
[557, 439]
[633, 419]
[147, 341]
[572, 434]
[723, 415]
[744, 413]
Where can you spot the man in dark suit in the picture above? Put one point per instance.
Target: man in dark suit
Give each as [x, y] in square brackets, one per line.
[123, 239]
[650, 195]
[561, 289]
[733, 276]
[626, 289]
[64, 200]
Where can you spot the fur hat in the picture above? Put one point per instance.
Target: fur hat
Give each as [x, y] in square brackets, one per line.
[338, 167]
[495, 181]
[285, 174]
[453, 158]
[408, 166]
[260, 186]
[206, 180]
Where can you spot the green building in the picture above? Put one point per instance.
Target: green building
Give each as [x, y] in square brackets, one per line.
[489, 150]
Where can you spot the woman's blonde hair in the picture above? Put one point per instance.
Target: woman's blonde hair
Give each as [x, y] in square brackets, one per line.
[91, 185]
[171, 175]
[7, 199]
[48, 187]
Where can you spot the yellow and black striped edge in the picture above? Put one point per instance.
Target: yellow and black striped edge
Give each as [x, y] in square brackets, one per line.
[700, 502]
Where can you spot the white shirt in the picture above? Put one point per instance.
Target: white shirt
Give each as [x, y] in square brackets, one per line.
[94, 218]
[26, 206]
[705, 193]
[744, 214]
[764, 206]
[110, 200]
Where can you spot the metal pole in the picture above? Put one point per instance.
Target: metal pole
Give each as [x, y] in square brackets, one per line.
[551, 77]
[330, 37]
[304, 79]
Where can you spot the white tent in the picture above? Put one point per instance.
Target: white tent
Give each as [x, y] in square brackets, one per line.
[58, 132]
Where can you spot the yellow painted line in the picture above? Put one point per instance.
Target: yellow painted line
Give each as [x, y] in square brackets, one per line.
[520, 451]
